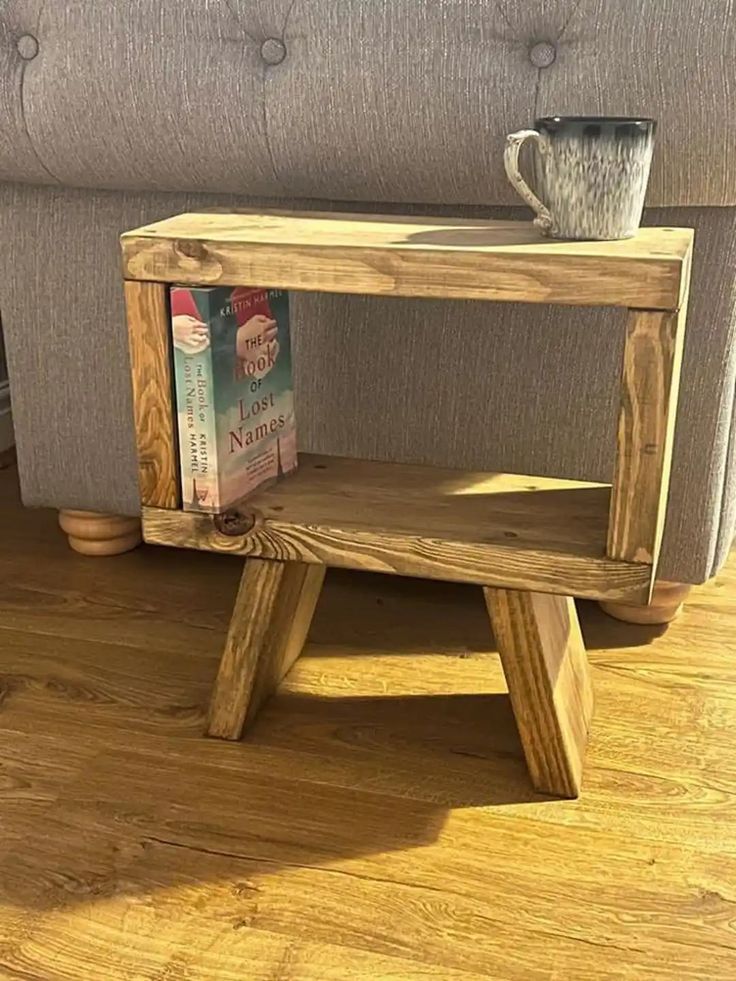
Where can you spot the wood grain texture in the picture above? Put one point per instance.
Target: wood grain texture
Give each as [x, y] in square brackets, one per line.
[546, 668]
[491, 529]
[148, 334]
[378, 822]
[409, 256]
[269, 624]
[646, 426]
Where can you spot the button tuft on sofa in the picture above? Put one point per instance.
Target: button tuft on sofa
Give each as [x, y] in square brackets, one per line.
[27, 46]
[273, 51]
[543, 54]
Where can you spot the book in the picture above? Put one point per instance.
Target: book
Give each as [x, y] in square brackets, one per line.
[234, 392]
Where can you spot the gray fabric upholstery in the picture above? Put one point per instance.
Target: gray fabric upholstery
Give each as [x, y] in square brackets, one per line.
[114, 114]
[3, 360]
[382, 100]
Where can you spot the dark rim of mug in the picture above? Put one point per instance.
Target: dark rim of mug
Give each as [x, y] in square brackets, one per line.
[643, 121]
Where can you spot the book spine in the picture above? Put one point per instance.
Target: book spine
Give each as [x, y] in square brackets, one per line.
[194, 384]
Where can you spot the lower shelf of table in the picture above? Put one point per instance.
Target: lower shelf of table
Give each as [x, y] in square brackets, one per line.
[493, 529]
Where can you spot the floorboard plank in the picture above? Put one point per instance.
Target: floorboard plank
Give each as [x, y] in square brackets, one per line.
[379, 821]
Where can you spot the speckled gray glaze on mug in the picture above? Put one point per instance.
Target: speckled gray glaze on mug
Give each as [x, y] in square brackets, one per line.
[590, 173]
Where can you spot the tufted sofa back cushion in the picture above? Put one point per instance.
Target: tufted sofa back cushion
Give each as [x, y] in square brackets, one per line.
[380, 100]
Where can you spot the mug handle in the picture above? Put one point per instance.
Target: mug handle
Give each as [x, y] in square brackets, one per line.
[514, 143]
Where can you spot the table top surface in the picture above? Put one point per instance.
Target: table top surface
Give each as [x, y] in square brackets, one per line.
[339, 230]
[409, 256]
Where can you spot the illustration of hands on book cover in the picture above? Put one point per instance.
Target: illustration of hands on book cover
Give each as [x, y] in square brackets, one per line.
[234, 392]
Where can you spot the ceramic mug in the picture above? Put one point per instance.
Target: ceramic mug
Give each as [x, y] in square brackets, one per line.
[590, 172]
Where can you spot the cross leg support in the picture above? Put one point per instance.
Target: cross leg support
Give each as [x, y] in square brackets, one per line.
[537, 634]
[546, 668]
[269, 625]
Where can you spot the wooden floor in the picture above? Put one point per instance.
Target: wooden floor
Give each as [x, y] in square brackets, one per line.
[379, 823]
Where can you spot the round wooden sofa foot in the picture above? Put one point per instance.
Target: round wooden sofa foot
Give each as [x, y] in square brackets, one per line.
[665, 606]
[92, 533]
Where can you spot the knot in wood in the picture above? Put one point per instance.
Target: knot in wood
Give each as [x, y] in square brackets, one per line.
[234, 522]
[191, 249]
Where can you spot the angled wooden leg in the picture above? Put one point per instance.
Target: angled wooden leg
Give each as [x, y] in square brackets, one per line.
[270, 622]
[546, 668]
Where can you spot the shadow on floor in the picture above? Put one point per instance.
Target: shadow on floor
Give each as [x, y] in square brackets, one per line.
[454, 620]
[318, 782]
[460, 750]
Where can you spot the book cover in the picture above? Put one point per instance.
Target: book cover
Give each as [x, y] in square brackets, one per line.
[234, 392]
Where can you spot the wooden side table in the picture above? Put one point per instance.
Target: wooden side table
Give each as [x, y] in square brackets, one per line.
[531, 543]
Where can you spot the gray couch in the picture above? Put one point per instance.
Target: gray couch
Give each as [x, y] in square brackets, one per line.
[117, 113]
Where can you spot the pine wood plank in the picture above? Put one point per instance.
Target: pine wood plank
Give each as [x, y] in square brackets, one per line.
[234, 950]
[646, 425]
[546, 669]
[491, 529]
[148, 334]
[409, 256]
[269, 624]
